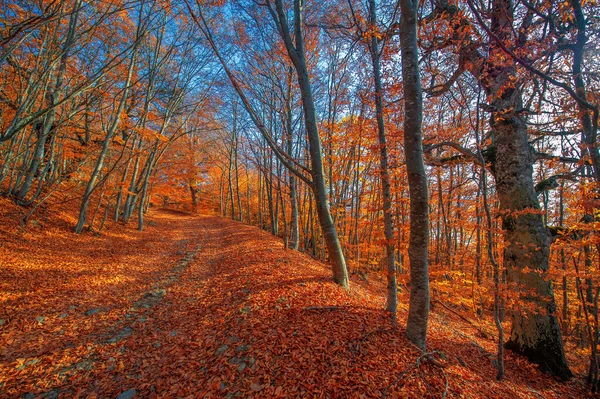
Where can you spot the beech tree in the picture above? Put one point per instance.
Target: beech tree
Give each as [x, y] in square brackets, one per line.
[371, 34]
[296, 52]
[535, 329]
[418, 312]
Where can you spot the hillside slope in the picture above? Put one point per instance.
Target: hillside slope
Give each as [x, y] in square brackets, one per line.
[207, 307]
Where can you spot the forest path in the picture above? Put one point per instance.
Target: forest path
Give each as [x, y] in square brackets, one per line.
[65, 300]
[200, 306]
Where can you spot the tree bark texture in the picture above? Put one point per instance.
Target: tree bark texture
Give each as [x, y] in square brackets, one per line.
[418, 312]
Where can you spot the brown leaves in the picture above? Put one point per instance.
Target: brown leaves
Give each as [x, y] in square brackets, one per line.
[245, 319]
[256, 387]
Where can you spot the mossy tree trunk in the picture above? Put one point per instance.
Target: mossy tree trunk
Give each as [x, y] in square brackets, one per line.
[535, 329]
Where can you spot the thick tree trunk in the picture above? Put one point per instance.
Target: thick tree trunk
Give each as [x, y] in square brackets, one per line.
[418, 312]
[535, 333]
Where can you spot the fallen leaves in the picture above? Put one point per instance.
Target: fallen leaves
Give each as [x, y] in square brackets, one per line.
[218, 309]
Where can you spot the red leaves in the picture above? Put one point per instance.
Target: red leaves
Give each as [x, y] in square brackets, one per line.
[245, 318]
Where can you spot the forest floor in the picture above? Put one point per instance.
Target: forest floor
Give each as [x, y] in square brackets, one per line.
[201, 307]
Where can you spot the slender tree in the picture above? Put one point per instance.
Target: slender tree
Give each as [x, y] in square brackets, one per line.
[418, 313]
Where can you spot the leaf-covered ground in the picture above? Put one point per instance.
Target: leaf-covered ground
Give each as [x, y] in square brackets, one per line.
[205, 307]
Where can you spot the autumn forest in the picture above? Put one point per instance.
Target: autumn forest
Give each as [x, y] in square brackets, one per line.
[299, 198]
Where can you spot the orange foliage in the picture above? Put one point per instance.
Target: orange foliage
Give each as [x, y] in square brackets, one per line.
[205, 307]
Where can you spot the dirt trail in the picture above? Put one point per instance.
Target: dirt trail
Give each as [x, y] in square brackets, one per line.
[65, 298]
[204, 307]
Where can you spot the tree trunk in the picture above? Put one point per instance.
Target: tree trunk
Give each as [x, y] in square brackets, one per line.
[91, 186]
[194, 194]
[294, 227]
[535, 334]
[297, 55]
[142, 204]
[120, 192]
[46, 127]
[418, 312]
[131, 191]
[386, 195]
